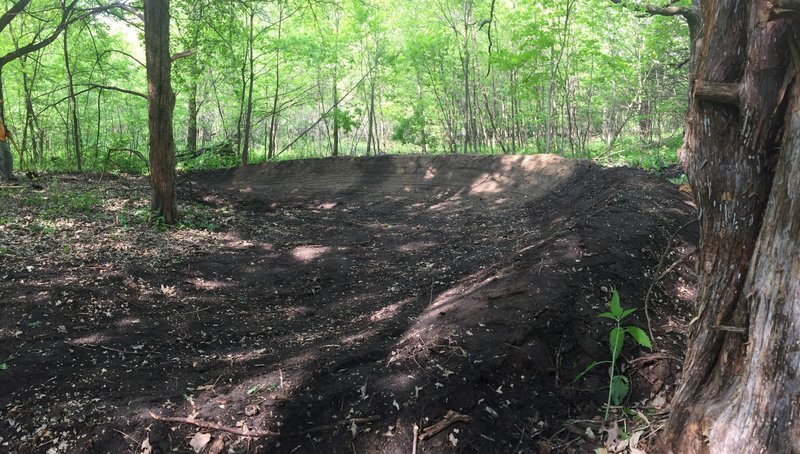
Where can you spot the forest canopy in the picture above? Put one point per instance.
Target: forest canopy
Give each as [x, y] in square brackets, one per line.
[257, 80]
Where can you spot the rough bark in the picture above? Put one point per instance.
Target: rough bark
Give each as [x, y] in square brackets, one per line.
[160, 103]
[740, 383]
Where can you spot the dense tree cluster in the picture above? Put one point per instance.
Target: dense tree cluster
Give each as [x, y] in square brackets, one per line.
[262, 79]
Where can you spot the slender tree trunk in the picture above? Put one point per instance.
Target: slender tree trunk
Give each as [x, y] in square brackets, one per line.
[273, 121]
[191, 127]
[160, 103]
[73, 105]
[467, 106]
[423, 127]
[248, 115]
[370, 115]
[739, 390]
[335, 151]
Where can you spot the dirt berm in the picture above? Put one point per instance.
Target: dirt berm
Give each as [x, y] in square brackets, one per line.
[472, 284]
[338, 303]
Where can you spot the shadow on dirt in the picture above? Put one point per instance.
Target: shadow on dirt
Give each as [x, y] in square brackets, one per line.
[352, 299]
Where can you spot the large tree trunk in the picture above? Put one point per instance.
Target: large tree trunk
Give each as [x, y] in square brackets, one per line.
[740, 384]
[160, 102]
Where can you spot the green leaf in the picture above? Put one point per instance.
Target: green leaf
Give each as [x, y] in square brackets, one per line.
[639, 336]
[628, 312]
[255, 389]
[616, 308]
[607, 315]
[4, 364]
[620, 385]
[588, 368]
[616, 340]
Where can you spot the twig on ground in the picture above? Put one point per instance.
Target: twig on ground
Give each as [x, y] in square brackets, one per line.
[659, 277]
[215, 426]
[138, 443]
[653, 357]
[416, 433]
[676, 263]
[338, 424]
[449, 419]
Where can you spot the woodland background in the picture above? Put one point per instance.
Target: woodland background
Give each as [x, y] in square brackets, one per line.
[283, 79]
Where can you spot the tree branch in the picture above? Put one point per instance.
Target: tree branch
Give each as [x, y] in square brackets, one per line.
[722, 92]
[9, 15]
[34, 46]
[690, 14]
[184, 54]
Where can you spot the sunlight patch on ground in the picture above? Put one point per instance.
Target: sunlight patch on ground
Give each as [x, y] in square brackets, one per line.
[128, 321]
[92, 339]
[416, 246]
[309, 253]
[388, 312]
[430, 173]
[357, 338]
[210, 284]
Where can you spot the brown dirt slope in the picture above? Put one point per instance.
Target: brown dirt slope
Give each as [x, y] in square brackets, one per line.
[343, 301]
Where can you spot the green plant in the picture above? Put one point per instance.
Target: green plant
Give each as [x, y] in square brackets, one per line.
[618, 384]
[4, 363]
[680, 180]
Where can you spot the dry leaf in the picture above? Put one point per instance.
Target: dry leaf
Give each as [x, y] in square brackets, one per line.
[199, 441]
[453, 440]
[217, 446]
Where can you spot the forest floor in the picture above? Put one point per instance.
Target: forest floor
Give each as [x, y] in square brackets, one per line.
[342, 306]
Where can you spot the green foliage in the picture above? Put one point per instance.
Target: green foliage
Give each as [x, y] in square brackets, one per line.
[613, 94]
[4, 364]
[618, 384]
[683, 179]
[197, 217]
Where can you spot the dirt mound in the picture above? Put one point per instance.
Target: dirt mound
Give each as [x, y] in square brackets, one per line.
[347, 301]
[454, 177]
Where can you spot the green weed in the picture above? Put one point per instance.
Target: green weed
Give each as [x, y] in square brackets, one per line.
[4, 365]
[618, 384]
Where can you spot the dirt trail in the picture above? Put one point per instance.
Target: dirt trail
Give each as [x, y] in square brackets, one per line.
[350, 299]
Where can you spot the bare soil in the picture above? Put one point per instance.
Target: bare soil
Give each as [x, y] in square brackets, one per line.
[334, 305]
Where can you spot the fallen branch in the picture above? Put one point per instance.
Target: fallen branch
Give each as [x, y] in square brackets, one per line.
[449, 419]
[676, 263]
[652, 358]
[215, 426]
[660, 276]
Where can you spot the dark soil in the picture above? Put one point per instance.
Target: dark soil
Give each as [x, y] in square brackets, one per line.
[337, 304]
